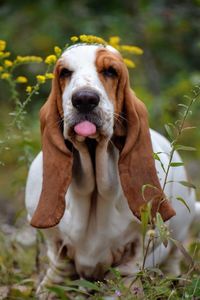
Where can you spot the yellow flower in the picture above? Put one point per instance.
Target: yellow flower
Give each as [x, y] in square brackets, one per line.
[35, 59]
[28, 59]
[57, 51]
[1, 69]
[4, 54]
[41, 79]
[5, 75]
[114, 41]
[8, 63]
[83, 38]
[129, 63]
[21, 79]
[92, 39]
[2, 45]
[29, 89]
[50, 59]
[74, 39]
[131, 49]
[49, 76]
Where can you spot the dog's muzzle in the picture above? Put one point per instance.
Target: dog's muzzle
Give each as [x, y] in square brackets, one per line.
[85, 101]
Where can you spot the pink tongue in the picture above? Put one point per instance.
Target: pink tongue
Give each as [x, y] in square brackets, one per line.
[85, 128]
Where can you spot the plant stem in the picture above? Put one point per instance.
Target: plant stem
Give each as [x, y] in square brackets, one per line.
[146, 252]
[23, 105]
[179, 132]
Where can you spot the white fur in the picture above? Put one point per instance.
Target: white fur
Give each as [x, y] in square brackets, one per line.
[97, 234]
[81, 60]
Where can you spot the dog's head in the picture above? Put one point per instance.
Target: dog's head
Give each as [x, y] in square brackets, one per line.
[91, 97]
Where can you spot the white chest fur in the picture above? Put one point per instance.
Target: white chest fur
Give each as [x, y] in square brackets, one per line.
[98, 226]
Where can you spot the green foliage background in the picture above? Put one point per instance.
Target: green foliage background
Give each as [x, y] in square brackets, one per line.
[167, 31]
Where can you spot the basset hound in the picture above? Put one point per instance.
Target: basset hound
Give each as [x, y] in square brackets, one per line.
[85, 188]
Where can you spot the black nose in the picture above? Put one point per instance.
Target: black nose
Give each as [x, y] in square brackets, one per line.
[85, 101]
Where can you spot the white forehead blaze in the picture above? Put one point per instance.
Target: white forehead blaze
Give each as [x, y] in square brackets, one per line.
[77, 56]
[81, 61]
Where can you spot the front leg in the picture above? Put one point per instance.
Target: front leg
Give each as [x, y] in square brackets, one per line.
[59, 268]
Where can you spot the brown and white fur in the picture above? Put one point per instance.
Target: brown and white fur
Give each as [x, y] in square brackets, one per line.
[86, 192]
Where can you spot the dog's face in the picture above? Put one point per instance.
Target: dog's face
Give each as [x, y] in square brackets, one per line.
[91, 93]
[89, 77]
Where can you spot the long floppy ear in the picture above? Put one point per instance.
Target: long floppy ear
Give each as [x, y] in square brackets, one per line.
[137, 170]
[57, 162]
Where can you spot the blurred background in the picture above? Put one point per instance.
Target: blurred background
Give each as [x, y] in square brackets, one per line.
[167, 31]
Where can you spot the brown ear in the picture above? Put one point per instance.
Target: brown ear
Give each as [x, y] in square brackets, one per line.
[57, 162]
[136, 163]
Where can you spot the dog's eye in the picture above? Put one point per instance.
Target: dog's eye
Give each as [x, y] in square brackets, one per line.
[110, 72]
[65, 73]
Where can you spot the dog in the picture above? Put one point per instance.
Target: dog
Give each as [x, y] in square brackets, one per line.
[96, 172]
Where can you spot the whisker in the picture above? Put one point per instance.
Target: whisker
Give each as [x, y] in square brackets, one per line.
[57, 122]
[119, 116]
[120, 122]
[110, 141]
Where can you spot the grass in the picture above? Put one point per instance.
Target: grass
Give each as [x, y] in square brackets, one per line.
[21, 266]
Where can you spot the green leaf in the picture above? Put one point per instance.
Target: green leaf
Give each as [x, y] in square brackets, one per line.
[145, 217]
[188, 184]
[177, 122]
[184, 148]
[162, 229]
[169, 131]
[115, 272]
[184, 202]
[172, 125]
[59, 291]
[170, 181]
[144, 187]
[88, 285]
[188, 98]
[156, 157]
[176, 164]
[183, 105]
